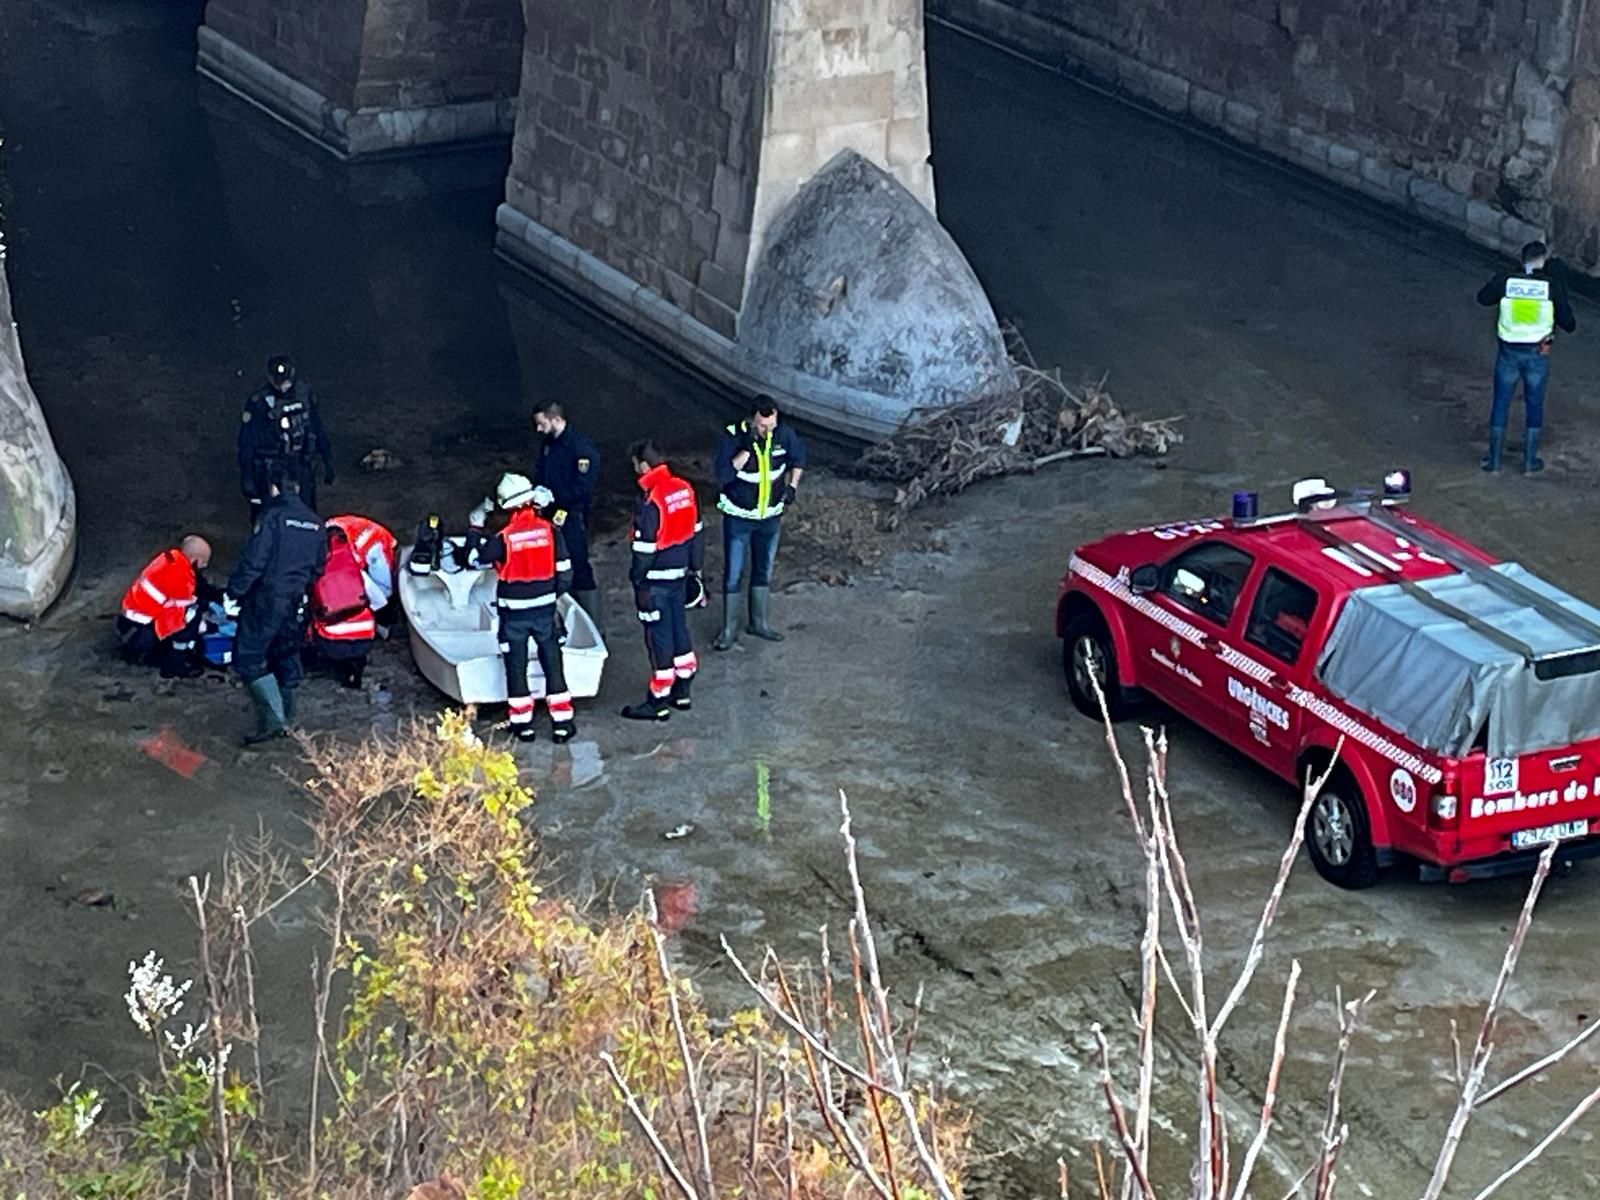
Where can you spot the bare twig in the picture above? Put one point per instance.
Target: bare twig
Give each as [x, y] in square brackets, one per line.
[691, 1075]
[649, 1130]
[1544, 1064]
[1119, 1119]
[1269, 1101]
[223, 1185]
[1567, 1123]
[1479, 1062]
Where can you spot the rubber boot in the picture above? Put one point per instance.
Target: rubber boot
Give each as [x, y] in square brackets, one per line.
[760, 610]
[527, 733]
[290, 695]
[1497, 445]
[268, 699]
[680, 694]
[350, 676]
[589, 601]
[1531, 461]
[648, 709]
[729, 637]
[563, 731]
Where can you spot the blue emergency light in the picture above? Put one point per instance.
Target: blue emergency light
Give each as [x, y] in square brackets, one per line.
[1244, 506]
[1397, 483]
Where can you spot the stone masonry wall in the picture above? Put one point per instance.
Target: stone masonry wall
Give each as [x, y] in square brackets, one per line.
[427, 53]
[1452, 108]
[842, 75]
[636, 140]
[317, 42]
[371, 76]
[1575, 190]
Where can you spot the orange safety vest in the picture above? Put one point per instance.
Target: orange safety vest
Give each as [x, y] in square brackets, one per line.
[362, 627]
[363, 533]
[530, 549]
[164, 594]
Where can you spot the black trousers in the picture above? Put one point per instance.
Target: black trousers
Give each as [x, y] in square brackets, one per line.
[269, 643]
[666, 634]
[518, 627]
[141, 646]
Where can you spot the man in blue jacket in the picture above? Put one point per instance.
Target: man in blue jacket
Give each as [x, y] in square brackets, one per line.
[760, 462]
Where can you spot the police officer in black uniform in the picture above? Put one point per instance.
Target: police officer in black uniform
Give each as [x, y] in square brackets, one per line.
[282, 425]
[569, 465]
[285, 553]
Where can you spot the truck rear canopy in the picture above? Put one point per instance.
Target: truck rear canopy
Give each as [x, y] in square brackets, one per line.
[1437, 677]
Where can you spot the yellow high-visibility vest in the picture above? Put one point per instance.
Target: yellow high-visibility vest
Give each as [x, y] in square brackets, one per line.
[1527, 314]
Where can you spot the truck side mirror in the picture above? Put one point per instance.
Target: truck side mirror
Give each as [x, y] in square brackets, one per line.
[1144, 579]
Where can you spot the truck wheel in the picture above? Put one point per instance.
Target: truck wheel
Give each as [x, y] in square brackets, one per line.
[1086, 652]
[1338, 836]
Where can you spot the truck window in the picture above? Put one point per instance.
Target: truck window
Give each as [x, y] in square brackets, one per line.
[1206, 579]
[1282, 614]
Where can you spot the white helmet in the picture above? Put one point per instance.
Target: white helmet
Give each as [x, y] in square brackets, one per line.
[543, 497]
[514, 490]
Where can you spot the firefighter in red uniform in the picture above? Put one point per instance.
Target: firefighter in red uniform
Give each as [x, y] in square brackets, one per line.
[160, 611]
[377, 550]
[666, 553]
[342, 626]
[530, 557]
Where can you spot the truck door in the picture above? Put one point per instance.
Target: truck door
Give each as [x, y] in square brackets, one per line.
[1276, 641]
[1196, 596]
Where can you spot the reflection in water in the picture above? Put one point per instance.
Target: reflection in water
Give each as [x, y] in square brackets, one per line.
[167, 238]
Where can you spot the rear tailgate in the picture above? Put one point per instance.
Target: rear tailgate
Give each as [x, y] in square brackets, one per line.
[1520, 803]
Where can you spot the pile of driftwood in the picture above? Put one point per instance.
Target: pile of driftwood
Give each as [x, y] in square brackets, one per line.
[942, 451]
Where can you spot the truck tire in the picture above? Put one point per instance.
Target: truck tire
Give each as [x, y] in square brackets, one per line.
[1086, 642]
[1339, 836]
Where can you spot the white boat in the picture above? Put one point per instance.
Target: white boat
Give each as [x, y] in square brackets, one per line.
[455, 639]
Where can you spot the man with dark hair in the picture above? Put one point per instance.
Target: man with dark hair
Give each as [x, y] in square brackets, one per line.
[1530, 304]
[666, 552]
[759, 465]
[569, 465]
[282, 430]
[285, 553]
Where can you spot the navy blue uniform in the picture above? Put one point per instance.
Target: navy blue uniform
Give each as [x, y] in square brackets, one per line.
[569, 465]
[282, 428]
[285, 553]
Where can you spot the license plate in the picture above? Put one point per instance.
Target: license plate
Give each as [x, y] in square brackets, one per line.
[1523, 838]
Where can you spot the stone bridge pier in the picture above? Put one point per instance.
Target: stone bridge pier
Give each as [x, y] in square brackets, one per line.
[746, 182]
[38, 508]
[370, 77]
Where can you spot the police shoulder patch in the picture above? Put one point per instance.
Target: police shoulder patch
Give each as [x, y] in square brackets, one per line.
[583, 465]
[559, 517]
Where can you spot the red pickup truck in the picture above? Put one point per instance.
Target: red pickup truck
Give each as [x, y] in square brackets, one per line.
[1466, 691]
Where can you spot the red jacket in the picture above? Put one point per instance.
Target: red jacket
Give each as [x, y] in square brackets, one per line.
[666, 529]
[530, 557]
[364, 533]
[163, 595]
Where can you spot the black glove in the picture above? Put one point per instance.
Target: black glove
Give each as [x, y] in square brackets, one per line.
[789, 494]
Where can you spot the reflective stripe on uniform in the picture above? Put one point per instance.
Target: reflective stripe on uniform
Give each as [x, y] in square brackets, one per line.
[649, 617]
[686, 665]
[153, 592]
[138, 618]
[560, 706]
[661, 684]
[733, 510]
[644, 547]
[667, 573]
[563, 564]
[526, 602]
[365, 626]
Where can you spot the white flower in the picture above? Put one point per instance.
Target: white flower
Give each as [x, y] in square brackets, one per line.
[210, 1064]
[181, 1045]
[153, 998]
[86, 1108]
